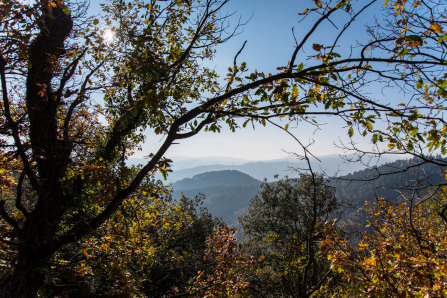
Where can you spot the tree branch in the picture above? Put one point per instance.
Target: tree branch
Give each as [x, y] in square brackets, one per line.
[346, 26]
[19, 204]
[83, 229]
[68, 73]
[14, 126]
[4, 214]
[79, 99]
[304, 40]
[207, 120]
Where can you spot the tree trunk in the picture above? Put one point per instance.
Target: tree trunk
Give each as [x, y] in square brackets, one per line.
[37, 237]
[28, 275]
[24, 282]
[36, 245]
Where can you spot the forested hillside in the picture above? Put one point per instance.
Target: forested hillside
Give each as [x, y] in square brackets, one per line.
[218, 178]
[330, 164]
[396, 182]
[390, 180]
[227, 193]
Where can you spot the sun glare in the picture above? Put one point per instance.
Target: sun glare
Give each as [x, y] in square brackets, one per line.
[109, 36]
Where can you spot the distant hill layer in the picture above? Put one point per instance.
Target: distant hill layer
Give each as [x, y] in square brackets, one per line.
[331, 165]
[228, 192]
[216, 178]
[391, 180]
[181, 162]
[187, 168]
[225, 202]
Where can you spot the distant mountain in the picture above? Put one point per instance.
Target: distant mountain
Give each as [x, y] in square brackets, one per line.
[330, 164]
[390, 180]
[184, 167]
[220, 178]
[228, 192]
[226, 202]
[183, 162]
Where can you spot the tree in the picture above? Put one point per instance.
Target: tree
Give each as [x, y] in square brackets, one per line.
[412, 31]
[402, 255]
[152, 246]
[230, 276]
[282, 229]
[62, 147]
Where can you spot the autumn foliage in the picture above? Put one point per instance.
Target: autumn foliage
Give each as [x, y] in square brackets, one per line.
[75, 106]
[152, 246]
[401, 255]
[230, 277]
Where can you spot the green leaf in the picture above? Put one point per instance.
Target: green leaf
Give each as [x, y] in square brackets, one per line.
[333, 54]
[66, 10]
[341, 4]
[419, 83]
[351, 132]
[294, 91]
[375, 138]
[404, 52]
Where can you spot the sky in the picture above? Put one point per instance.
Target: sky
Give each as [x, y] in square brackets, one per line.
[270, 43]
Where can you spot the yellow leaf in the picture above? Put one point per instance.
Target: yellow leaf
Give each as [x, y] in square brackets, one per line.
[294, 91]
[370, 262]
[318, 3]
[444, 268]
[436, 28]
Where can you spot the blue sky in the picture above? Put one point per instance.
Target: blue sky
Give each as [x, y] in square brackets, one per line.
[270, 44]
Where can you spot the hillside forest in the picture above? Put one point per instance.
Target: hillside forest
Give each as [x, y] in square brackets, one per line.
[81, 93]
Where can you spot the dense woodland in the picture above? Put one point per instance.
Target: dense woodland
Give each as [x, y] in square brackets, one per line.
[77, 221]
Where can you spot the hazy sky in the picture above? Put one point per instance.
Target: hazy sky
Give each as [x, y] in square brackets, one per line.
[270, 44]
